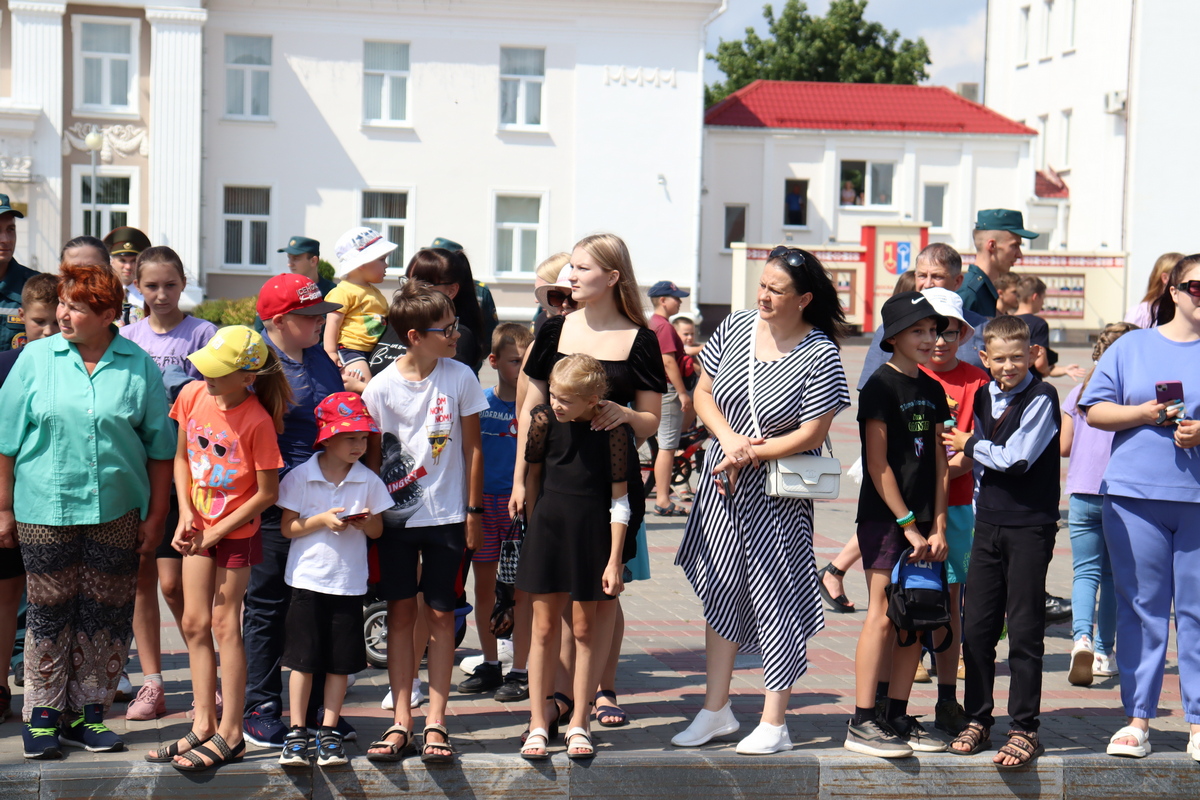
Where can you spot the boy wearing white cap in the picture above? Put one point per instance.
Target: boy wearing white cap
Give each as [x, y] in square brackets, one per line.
[960, 380]
[351, 333]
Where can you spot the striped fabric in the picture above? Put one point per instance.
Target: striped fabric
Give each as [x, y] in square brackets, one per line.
[750, 559]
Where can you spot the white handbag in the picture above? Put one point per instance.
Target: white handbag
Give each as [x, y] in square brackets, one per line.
[799, 476]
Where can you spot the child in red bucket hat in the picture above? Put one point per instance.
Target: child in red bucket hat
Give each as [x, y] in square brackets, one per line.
[331, 506]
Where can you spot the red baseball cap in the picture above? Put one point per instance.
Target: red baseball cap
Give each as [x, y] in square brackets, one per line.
[292, 294]
[343, 412]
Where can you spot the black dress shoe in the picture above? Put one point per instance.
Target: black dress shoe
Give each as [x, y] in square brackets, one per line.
[1057, 608]
[485, 678]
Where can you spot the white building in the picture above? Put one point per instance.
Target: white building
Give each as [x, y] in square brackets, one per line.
[1106, 84]
[513, 128]
[811, 163]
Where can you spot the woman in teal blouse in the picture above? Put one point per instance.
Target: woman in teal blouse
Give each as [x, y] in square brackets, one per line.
[85, 476]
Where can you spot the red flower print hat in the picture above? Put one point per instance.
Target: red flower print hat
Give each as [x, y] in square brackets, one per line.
[343, 412]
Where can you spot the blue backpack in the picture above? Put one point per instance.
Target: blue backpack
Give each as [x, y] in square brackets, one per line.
[919, 601]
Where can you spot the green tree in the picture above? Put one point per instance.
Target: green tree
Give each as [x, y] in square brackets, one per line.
[841, 47]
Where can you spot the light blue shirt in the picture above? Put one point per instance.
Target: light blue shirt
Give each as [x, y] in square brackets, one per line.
[1037, 429]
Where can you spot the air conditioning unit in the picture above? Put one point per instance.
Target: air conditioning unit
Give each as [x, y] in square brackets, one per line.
[1114, 102]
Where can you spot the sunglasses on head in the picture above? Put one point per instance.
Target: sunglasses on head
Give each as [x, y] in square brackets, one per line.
[558, 299]
[1191, 287]
[791, 256]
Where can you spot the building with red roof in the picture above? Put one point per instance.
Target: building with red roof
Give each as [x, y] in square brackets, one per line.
[810, 163]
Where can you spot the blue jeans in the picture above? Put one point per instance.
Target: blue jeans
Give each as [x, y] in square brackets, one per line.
[1093, 574]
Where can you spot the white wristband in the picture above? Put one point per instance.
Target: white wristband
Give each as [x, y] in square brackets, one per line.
[619, 511]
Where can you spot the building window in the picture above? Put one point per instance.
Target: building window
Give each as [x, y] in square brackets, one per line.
[1069, 22]
[1041, 127]
[385, 82]
[518, 230]
[1066, 140]
[935, 202]
[248, 76]
[112, 204]
[522, 72]
[1047, 27]
[735, 225]
[387, 212]
[866, 183]
[247, 214]
[1023, 36]
[795, 202]
[106, 65]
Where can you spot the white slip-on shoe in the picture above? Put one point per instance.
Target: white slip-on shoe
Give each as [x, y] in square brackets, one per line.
[1105, 665]
[765, 739]
[1082, 657]
[707, 726]
[1140, 750]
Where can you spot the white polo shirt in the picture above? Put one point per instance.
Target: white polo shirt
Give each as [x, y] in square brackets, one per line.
[324, 561]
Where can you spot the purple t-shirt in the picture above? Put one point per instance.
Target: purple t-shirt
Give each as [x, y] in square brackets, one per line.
[174, 346]
[1090, 449]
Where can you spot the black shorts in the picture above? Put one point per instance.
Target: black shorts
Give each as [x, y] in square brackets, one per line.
[882, 543]
[11, 563]
[324, 633]
[164, 549]
[439, 551]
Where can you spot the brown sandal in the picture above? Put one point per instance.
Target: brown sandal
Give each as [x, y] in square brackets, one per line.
[1023, 746]
[975, 736]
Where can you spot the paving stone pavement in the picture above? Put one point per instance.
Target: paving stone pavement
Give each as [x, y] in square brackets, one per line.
[661, 677]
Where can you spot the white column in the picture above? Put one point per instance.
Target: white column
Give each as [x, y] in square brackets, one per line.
[37, 80]
[176, 65]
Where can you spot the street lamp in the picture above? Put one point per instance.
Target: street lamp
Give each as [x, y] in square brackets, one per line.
[93, 142]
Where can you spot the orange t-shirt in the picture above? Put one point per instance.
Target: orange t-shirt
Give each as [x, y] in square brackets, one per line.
[226, 449]
[961, 384]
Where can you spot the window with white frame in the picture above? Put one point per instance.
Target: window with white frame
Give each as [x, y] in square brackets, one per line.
[518, 232]
[1069, 23]
[106, 64]
[247, 76]
[1065, 154]
[112, 203]
[735, 225]
[1047, 27]
[522, 73]
[795, 202]
[385, 82]
[1041, 126]
[387, 212]
[935, 204]
[247, 214]
[867, 183]
[1023, 36]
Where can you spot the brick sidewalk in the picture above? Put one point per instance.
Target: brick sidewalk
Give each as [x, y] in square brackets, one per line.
[661, 677]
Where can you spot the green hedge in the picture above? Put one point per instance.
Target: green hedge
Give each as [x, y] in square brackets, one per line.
[227, 312]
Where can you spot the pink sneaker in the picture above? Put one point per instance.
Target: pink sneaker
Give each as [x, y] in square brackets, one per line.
[150, 702]
[219, 703]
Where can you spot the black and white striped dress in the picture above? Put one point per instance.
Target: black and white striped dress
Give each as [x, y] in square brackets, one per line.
[750, 561]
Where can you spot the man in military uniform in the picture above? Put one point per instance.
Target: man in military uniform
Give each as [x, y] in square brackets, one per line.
[304, 258]
[12, 278]
[487, 304]
[125, 244]
[998, 234]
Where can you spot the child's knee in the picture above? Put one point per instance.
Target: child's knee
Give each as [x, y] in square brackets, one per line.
[195, 626]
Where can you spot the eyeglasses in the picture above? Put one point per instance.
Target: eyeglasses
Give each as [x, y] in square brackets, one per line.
[1191, 287]
[557, 299]
[447, 331]
[791, 256]
[949, 336]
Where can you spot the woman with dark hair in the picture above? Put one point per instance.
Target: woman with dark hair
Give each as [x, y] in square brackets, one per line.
[85, 479]
[749, 556]
[450, 273]
[85, 251]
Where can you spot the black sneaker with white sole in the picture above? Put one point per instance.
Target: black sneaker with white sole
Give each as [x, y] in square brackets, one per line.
[909, 729]
[872, 739]
[330, 752]
[514, 689]
[295, 748]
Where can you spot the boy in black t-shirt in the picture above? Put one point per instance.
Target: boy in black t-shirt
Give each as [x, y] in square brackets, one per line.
[900, 416]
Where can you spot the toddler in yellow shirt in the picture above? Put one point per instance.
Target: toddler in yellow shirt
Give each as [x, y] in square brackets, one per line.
[351, 333]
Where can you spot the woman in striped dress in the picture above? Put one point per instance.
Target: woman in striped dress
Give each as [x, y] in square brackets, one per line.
[749, 557]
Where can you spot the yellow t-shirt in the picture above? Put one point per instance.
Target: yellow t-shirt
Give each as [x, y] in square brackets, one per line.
[366, 312]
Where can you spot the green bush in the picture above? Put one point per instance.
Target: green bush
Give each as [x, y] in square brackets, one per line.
[227, 312]
[325, 269]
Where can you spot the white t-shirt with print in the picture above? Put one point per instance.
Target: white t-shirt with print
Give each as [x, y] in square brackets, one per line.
[421, 426]
[324, 561]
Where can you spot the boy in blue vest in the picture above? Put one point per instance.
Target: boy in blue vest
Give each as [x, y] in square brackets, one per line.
[1015, 451]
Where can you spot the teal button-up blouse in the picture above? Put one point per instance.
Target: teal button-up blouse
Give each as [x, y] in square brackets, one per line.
[81, 441]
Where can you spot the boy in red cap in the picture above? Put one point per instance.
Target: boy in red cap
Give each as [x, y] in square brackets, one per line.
[331, 506]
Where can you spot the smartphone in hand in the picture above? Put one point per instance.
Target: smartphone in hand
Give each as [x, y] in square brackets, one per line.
[354, 517]
[726, 484]
[1168, 392]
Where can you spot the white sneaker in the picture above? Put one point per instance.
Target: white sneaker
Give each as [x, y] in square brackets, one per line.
[1105, 665]
[1081, 662]
[504, 650]
[124, 689]
[418, 696]
[351, 679]
[388, 703]
[764, 740]
[1193, 748]
[707, 726]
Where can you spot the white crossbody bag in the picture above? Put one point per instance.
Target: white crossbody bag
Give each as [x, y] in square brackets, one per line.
[799, 476]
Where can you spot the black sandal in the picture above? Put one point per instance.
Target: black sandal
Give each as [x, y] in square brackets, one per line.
[395, 750]
[1021, 745]
[168, 752]
[975, 736]
[224, 755]
[840, 604]
[436, 758]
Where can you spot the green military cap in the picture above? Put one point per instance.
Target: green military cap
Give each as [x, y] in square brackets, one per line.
[6, 207]
[125, 241]
[302, 245]
[1003, 219]
[446, 244]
